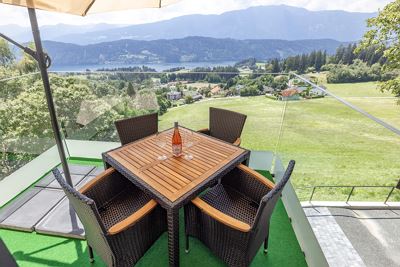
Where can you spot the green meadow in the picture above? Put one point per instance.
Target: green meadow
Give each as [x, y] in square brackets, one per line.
[332, 144]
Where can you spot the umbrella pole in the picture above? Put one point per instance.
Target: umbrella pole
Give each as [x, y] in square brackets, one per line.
[40, 57]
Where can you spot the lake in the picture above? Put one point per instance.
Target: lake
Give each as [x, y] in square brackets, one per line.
[157, 67]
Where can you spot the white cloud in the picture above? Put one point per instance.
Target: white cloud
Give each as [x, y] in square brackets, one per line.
[18, 15]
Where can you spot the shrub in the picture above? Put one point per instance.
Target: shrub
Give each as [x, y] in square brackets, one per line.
[359, 71]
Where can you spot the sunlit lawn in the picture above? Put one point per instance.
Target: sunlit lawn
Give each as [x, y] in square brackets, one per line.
[332, 144]
[368, 97]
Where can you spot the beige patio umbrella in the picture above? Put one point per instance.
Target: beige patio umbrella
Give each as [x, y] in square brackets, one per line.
[76, 7]
[85, 7]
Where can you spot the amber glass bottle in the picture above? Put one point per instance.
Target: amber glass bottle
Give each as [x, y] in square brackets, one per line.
[176, 142]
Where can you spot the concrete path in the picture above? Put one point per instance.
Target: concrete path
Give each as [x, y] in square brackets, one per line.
[334, 243]
[375, 234]
[357, 237]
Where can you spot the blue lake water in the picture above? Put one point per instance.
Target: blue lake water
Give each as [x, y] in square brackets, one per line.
[157, 67]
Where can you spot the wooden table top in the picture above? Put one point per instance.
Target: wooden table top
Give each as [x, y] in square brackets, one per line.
[174, 177]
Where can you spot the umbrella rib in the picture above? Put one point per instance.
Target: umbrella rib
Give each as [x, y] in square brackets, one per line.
[89, 6]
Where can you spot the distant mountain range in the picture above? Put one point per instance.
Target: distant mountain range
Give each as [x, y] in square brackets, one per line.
[189, 49]
[52, 32]
[261, 22]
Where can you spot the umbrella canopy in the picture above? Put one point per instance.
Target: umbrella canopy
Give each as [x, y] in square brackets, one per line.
[76, 7]
[85, 7]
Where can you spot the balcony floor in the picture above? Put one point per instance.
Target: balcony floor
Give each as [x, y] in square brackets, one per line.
[33, 249]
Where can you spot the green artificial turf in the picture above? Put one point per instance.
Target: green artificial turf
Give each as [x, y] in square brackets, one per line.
[33, 250]
[85, 161]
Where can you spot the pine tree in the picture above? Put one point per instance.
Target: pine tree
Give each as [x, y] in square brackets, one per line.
[275, 66]
[303, 63]
[318, 60]
[339, 54]
[324, 58]
[131, 91]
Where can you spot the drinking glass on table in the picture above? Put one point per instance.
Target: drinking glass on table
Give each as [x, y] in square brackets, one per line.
[188, 142]
[161, 141]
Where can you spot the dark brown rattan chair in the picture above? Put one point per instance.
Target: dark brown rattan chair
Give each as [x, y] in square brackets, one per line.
[225, 125]
[6, 259]
[121, 222]
[135, 128]
[233, 217]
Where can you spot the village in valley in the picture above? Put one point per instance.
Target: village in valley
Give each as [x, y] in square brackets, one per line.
[187, 92]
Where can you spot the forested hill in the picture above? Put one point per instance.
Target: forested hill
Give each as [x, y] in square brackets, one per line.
[190, 49]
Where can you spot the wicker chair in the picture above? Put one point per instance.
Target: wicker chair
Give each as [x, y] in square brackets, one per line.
[121, 222]
[225, 125]
[6, 259]
[135, 128]
[233, 217]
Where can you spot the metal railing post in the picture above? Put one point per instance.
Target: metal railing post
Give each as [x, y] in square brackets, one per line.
[351, 192]
[390, 193]
[312, 193]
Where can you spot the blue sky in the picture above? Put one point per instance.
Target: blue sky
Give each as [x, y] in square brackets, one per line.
[18, 15]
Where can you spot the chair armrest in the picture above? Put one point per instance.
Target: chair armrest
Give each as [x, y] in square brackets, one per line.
[237, 142]
[98, 178]
[220, 216]
[257, 176]
[132, 219]
[204, 131]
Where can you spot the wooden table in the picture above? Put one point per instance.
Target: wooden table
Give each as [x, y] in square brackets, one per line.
[175, 181]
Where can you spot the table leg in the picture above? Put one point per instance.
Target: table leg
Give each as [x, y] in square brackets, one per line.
[173, 237]
[246, 162]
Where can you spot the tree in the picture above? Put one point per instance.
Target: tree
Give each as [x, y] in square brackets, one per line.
[384, 35]
[318, 60]
[6, 55]
[163, 103]
[213, 78]
[147, 100]
[131, 91]
[28, 64]
[189, 99]
[275, 66]
[121, 85]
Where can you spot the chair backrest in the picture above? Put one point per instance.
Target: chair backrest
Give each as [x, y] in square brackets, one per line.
[87, 212]
[225, 124]
[135, 128]
[268, 202]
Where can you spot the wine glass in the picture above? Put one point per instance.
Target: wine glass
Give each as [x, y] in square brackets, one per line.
[161, 141]
[188, 142]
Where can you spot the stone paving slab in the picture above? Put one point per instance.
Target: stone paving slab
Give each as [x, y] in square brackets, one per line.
[49, 181]
[29, 214]
[96, 171]
[84, 181]
[61, 221]
[76, 178]
[337, 248]
[15, 204]
[78, 169]
[44, 207]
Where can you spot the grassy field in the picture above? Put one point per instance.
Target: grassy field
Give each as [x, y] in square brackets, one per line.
[332, 144]
[368, 97]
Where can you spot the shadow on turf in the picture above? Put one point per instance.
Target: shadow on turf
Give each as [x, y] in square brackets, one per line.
[82, 256]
